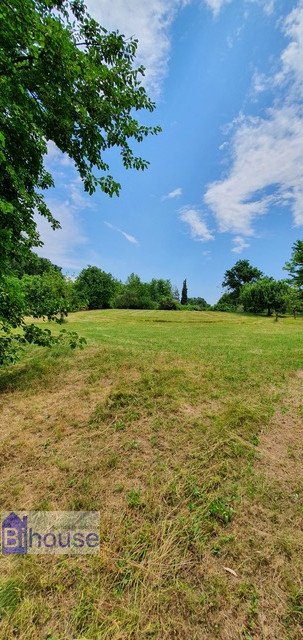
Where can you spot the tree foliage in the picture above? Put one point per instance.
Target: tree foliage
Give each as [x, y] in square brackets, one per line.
[184, 299]
[227, 302]
[266, 294]
[160, 289]
[63, 78]
[241, 273]
[135, 294]
[12, 302]
[295, 265]
[294, 301]
[47, 296]
[29, 263]
[198, 303]
[96, 288]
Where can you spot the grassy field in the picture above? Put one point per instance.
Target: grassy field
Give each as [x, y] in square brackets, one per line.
[185, 430]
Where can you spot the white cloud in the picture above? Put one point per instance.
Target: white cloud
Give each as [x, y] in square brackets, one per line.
[239, 244]
[65, 245]
[128, 236]
[54, 156]
[292, 56]
[259, 82]
[173, 194]
[149, 22]
[267, 167]
[268, 6]
[198, 227]
[216, 5]
[267, 153]
[77, 195]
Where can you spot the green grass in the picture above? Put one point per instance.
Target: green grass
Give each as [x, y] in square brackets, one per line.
[158, 424]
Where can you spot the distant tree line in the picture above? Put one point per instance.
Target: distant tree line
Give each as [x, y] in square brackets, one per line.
[36, 287]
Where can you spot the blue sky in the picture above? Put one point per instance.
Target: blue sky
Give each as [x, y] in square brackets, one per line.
[226, 174]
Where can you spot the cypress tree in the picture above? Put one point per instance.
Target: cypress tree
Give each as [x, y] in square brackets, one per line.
[184, 293]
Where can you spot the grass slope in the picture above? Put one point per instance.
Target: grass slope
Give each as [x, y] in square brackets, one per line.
[184, 430]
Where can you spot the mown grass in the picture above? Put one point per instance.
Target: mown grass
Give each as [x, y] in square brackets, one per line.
[157, 424]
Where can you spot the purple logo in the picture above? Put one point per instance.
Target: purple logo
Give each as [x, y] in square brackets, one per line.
[14, 534]
[40, 532]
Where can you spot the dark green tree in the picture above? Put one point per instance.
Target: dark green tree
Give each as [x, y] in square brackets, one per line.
[96, 287]
[168, 304]
[12, 302]
[184, 298]
[241, 273]
[29, 263]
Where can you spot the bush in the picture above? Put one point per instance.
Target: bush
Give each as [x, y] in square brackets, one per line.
[226, 303]
[168, 304]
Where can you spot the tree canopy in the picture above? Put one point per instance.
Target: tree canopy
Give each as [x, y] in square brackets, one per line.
[295, 265]
[241, 273]
[184, 298]
[266, 294]
[29, 263]
[96, 287]
[63, 78]
[47, 295]
[135, 294]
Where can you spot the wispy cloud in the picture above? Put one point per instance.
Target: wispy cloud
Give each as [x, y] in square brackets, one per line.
[173, 194]
[54, 156]
[66, 247]
[150, 23]
[267, 153]
[198, 227]
[216, 5]
[292, 56]
[127, 236]
[147, 21]
[260, 82]
[239, 244]
[268, 6]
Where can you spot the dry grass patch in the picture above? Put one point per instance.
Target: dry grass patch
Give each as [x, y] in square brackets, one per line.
[163, 439]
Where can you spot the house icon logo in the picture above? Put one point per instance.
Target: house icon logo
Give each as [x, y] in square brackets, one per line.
[14, 534]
